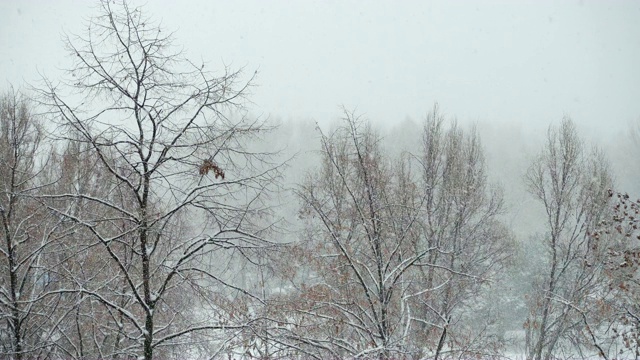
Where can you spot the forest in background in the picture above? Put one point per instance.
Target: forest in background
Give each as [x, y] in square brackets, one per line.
[145, 213]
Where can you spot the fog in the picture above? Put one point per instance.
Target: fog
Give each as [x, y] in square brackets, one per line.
[500, 62]
[513, 69]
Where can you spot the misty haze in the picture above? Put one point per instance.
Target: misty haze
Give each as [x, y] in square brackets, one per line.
[319, 180]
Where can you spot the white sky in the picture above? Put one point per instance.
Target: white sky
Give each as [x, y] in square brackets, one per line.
[511, 61]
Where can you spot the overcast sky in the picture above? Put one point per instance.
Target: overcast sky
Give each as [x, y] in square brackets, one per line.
[512, 61]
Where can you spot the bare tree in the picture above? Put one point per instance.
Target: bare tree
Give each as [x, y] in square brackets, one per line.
[373, 272]
[461, 219]
[181, 194]
[29, 233]
[571, 185]
[359, 246]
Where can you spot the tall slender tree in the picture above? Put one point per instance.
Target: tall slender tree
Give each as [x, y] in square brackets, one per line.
[571, 184]
[461, 219]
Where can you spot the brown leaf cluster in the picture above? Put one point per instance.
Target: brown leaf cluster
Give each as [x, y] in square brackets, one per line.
[208, 165]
